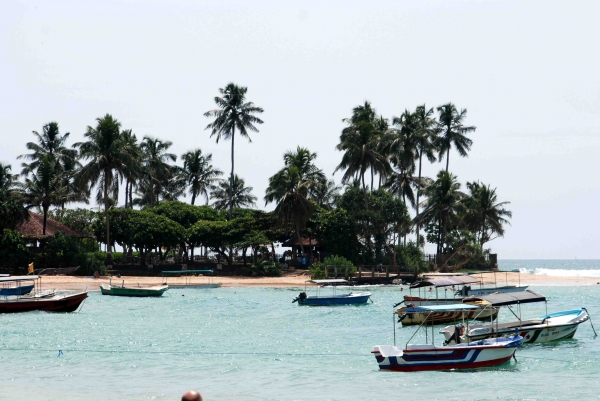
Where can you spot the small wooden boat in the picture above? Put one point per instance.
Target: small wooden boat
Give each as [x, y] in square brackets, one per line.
[438, 314]
[15, 289]
[42, 300]
[334, 299]
[459, 286]
[545, 328]
[419, 357]
[156, 291]
[478, 354]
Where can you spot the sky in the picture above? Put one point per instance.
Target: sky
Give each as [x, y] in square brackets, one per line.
[527, 73]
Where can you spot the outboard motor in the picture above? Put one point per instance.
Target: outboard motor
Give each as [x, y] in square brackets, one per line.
[458, 331]
[301, 297]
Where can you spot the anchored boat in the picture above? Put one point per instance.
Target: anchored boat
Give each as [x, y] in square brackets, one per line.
[420, 357]
[549, 327]
[42, 300]
[153, 291]
[334, 299]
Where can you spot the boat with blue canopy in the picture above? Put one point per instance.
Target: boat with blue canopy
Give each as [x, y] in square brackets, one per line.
[428, 356]
[548, 327]
[333, 299]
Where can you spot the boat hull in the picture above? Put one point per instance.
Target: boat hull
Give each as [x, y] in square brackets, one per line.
[343, 299]
[419, 301]
[57, 303]
[133, 291]
[423, 358]
[408, 319]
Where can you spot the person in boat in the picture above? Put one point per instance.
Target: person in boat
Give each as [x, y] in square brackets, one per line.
[191, 395]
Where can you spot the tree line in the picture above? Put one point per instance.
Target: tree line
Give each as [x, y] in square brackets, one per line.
[366, 219]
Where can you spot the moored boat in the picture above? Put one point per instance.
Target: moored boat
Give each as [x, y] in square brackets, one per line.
[152, 291]
[438, 314]
[334, 299]
[549, 327]
[42, 300]
[421, 357]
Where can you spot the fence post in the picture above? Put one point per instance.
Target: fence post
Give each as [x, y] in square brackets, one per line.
[335, 271]
[373, 272]
[359, 271]
[387, 271]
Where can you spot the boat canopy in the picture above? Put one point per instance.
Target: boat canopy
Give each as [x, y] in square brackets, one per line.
[331, 281]
[440, 308]
[508, 298]
[445, 282]
[18, 278]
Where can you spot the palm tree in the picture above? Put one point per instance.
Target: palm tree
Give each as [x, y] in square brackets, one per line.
[233, 112]
[426, 129]
[46, 187]
[485, 215]
[292, 188]
[443, 205]
[199, 174]
[133, 172]
[361, 144]
[227, 198]
[157, 170]
[326, 194]
[49, 142]
[8, 181]
[453, 131]
[109, 158]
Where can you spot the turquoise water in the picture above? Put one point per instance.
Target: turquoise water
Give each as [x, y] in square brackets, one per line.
[254, 344]
[556, 268]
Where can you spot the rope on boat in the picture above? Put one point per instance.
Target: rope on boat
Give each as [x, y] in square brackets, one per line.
[592, 324]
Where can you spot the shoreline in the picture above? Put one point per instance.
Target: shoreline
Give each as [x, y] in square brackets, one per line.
[295, 279]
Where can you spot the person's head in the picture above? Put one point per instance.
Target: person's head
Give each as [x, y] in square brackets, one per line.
[191, 395]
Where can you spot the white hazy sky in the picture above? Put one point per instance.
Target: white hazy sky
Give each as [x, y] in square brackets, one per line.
[528, 73]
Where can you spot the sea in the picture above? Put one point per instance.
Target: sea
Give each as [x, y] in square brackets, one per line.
[253, 343]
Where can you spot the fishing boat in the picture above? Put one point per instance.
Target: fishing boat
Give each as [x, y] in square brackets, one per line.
[438, 314]
[153, 291]
[421, 357]
[548, 327]
[333, 299]
[15, 288]
[455, 287]
[39, 300]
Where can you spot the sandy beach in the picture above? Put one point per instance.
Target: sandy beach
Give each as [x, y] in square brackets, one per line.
[288, 279]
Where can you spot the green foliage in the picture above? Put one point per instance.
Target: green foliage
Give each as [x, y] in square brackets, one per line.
[64, 251]
[80, 220]
[263, 268]
[318, 270]
[412, 256]
[13, 250]
[12, 213]
[185, 214]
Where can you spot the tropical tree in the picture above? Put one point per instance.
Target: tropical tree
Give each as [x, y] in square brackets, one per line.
[426, 129]
[227, 197]
[49, 142]
[485, 216]
[234, 112]
[293, 187]
[12, 212]
[452, 131]
[326, 194]
[46, 187]
[157, 171]
[109, 158]
[443, 206]
[199, 174]
[133, 172]
[361, 143]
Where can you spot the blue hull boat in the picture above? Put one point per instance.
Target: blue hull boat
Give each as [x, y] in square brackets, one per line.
[21, 290]
[342, 299]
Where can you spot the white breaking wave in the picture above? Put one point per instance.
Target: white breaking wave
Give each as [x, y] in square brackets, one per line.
[561, 272]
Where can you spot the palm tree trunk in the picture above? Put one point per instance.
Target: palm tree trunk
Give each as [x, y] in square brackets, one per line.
[108, 247]
[419, 193]
[231, 177]
[193, 198]
[447, 159]
[45, 209]
[371, 178]
[299, 239]
[126, 192]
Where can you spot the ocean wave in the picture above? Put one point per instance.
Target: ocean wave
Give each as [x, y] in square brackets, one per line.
[561, 272]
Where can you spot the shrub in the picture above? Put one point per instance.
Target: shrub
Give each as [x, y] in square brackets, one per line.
[317, 271]
[262, 268]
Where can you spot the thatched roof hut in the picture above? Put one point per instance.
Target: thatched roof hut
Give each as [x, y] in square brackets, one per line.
[33, 228]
